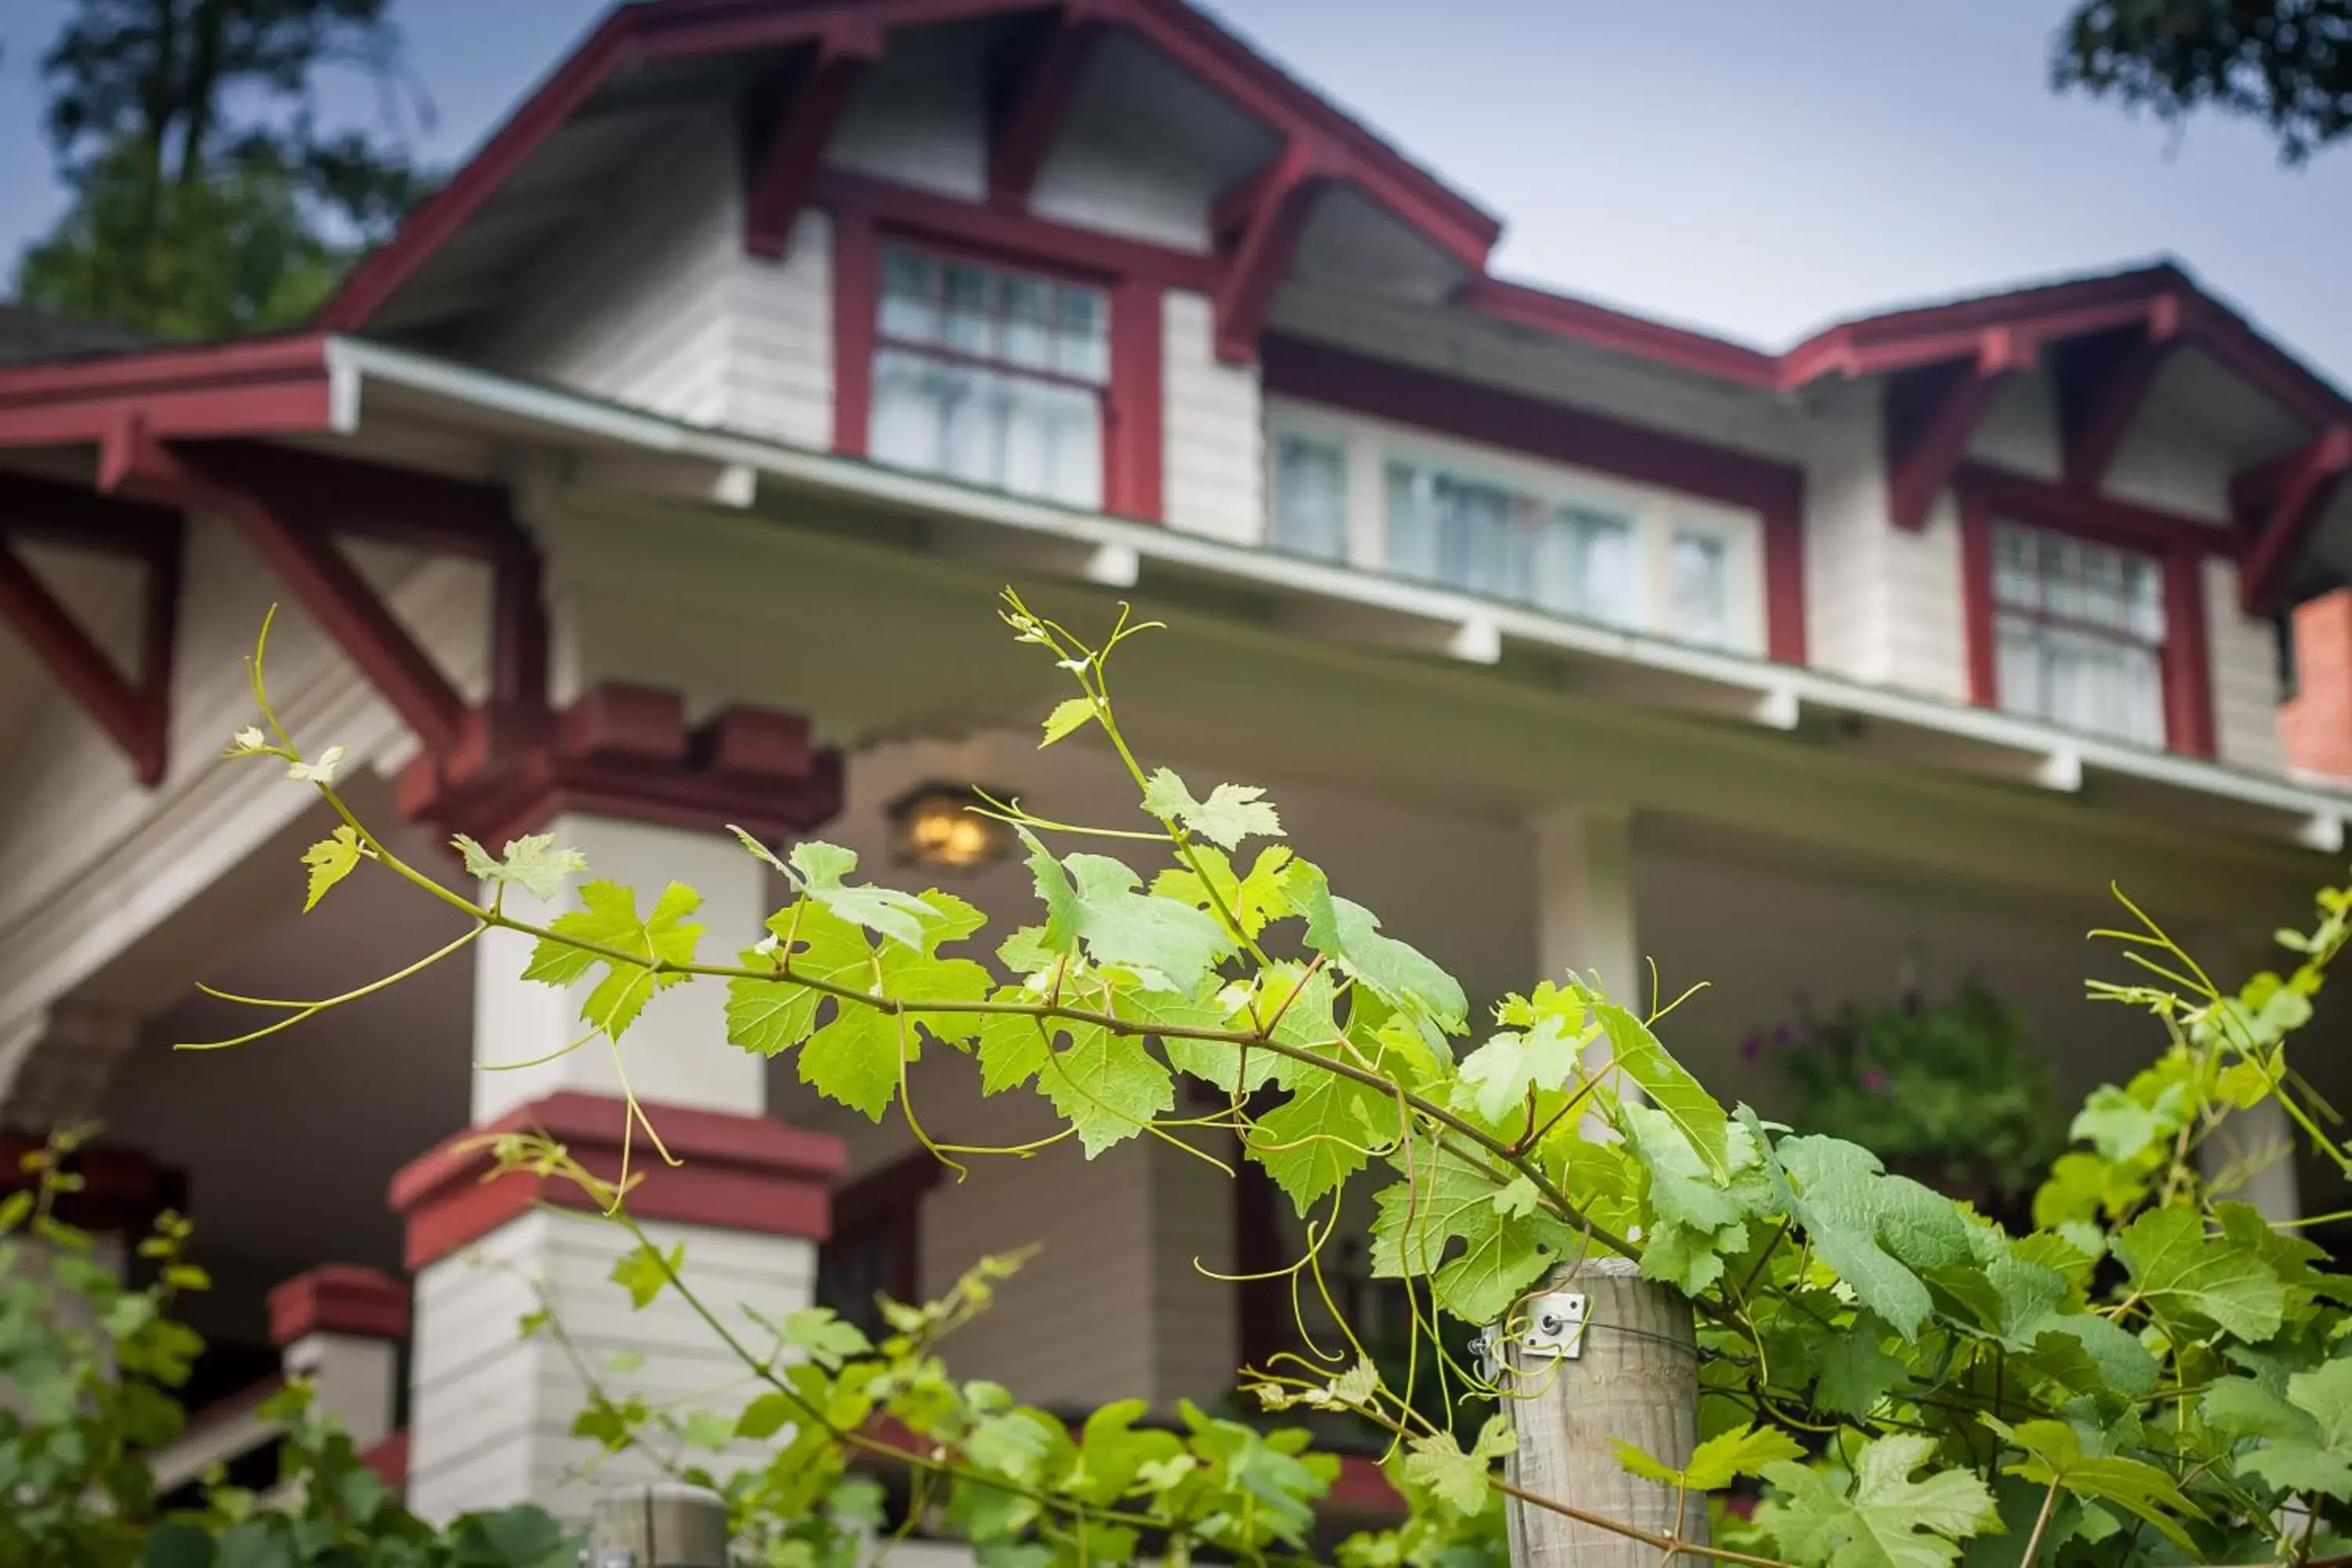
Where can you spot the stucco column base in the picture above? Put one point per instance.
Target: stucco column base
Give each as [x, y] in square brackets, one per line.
[490, 1410]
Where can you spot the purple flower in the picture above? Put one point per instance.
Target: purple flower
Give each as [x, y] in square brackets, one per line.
[1784, 1037]
[1873, 1081]
[1752, 1047]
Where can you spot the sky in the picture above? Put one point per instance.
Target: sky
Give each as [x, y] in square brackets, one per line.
[1755, 169]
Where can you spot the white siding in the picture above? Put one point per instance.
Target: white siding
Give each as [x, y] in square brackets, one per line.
[1926, 606]
[2245, 676]
[2020, 430]
[2165, 466]
[1103, 175]
[644, 314]
[920, 119]
[1214, 420]
[490, 1414]
[780, 382]
[1845, 527]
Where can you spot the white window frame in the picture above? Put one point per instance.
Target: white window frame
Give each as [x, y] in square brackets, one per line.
[1370, 445]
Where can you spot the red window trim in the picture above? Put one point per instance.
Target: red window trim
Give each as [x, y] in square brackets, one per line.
[1473, 411]
[2180, 544]
[867, 212]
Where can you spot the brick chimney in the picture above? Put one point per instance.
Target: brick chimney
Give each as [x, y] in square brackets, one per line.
[2317, 724]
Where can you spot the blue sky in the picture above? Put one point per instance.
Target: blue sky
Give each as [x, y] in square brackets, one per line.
[1753, 168]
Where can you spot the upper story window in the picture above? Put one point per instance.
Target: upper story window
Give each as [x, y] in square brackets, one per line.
[991, 375]
[2080, 632]
[1512, 530]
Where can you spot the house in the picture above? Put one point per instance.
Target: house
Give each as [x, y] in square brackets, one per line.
[661, 473]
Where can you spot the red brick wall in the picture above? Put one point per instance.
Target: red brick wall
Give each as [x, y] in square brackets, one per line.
[2317, 724]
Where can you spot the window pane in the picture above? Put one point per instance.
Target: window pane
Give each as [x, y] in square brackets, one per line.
[1699, 589]
[1608, 575]
[1310, 497]
[1028, 325]
[1474, 544]
[2016, 566]
[910, 288]
[966, 327]
[1412, 520]
[1083, 333]
[988, 427]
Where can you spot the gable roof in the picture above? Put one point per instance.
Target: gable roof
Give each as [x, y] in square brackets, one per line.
[677, 52]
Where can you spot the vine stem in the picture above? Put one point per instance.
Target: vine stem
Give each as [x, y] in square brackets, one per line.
[2041, 1525]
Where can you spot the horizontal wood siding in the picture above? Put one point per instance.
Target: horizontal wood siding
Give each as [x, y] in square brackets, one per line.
[779, 361]
[2244, 654]
[1214, 422]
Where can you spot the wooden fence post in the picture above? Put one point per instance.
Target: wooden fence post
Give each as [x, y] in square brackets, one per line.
[1599, 1353]
[665, 1525]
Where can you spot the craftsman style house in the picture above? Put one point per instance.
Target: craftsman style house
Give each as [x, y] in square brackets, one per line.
[661, 472]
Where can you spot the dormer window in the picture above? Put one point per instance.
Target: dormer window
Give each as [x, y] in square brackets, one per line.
[2080, 628]
[991, 376]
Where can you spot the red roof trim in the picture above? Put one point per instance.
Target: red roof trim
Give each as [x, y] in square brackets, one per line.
[1598, 326]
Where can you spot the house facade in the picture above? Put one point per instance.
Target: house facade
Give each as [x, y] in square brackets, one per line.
[661, 472]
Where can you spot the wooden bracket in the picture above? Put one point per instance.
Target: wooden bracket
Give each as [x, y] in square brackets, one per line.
[1035, 99]
[2278, 508]
[1933, 413]
[135, 712]
[2102, 381]
[784, 166]
[1258, 224]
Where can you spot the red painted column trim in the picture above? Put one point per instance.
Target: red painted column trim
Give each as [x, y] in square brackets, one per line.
[738, 1172]
[1134, 436]
[782, 174]
[1976, 598]
[1783, 518]
[2187, 656]
[133, 718]
[856, 296]
[339, 1299]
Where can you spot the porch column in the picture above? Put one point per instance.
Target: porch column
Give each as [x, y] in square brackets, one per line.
[490, 1411]
[341, 1327]
[1585, 900]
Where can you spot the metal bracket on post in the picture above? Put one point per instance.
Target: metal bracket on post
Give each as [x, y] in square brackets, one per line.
[666, 1525]
[1554, 1331]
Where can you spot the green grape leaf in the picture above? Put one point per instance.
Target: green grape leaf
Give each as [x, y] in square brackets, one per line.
[1694, 1215]
[2191, 1282]
[2117, 1125]
[331, 860]
[1882, 1518]
[1230, 813]
[1014, 1046]
[1448, 1201]
[1091, 899]
[1638, 1054]
[644, 1271]
[532, 863]
[2305, 1438]
[1069, 716]
[1350, 935]
[1717, 1462]
[1496, 1077]
[1254, 900]
[2055, 1458]
[608, 918]
[1872, 1229]
[829, 1339]
[1459, 1479]
[1857, 1372]
[1321, 1135]
[821, 868]
[1107, 1086]
[858, 1058]
[770, 1017]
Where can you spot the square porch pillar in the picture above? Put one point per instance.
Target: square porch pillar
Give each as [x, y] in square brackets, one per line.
[490, 1410]
[1585, 900]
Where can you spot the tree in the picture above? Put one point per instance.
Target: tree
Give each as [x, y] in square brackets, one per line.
[2287, 63]
[208, 201]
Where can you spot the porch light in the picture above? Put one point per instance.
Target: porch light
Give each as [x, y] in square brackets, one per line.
[936, 827]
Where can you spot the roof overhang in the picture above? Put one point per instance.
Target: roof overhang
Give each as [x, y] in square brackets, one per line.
[373, 400]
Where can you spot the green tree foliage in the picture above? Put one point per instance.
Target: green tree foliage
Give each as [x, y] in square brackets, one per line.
[2287, 63]
[2153, 1375]
[207, 200]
